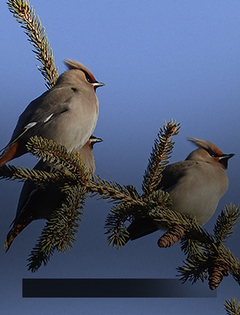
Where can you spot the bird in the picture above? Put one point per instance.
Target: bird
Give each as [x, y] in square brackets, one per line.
[37, 202]
[66, 114]
[195, 186]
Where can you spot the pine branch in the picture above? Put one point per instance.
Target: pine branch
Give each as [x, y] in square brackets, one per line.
[74, 169]
[195, 240]
[72, 172]
[115, 225]
[60, 231]
[129, 202]
[171, 218]
[112, 191]
[232, 307]
[37, 176]
[226, 222]
[52, 152]
[32, 25]
[71, 178]
[208, 255]
[195, 268]
[212, 265]
[57, 154]
[155, 209]
[37, 258]
[138, 206]
[159, 157]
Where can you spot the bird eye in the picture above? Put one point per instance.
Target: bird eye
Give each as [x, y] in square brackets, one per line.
[212, 153]
[88, 77]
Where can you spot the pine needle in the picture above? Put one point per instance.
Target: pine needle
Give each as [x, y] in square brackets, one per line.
[232, 307]
[23, 174]
[57, 154]
[159, 157]
[60, 231]
[25, 15]
[226, 222]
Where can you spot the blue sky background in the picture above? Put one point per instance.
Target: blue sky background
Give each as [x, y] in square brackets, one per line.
[159, 60]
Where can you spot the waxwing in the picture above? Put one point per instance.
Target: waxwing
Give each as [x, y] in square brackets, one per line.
[67, 113]
[39, 203]
[195, 186]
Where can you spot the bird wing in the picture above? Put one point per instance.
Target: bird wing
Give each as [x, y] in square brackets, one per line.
[42, 110]
[173, 173]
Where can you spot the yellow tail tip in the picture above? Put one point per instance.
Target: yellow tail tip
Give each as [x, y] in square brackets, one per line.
[6, 245]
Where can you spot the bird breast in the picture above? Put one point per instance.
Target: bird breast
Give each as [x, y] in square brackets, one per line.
[198, 191]
[74, 127]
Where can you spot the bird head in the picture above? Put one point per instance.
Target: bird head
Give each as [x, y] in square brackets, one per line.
[73, 75]
[208, 152]
[89, 77]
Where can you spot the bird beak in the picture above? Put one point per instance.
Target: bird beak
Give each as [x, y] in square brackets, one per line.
[224, 159]
[97, 84]
[95, 139]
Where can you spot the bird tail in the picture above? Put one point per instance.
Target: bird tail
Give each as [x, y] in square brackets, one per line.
[141, 227]
[12, 150]
[9, 153]
[19, 225]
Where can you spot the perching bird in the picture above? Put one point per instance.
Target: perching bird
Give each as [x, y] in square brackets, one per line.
[67, 113]
[39, 202]
[195, 186]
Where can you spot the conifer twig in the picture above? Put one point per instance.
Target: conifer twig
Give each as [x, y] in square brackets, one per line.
[32, 26]
[159, 157]
[152, 199]
[207, 255]
[59, 232]
[23, 174]
[57, 154]
[225, 223]
[232, 307]
[112, 191]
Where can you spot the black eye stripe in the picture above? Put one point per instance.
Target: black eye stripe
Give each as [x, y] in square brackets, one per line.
[212, 153]
[88, 77]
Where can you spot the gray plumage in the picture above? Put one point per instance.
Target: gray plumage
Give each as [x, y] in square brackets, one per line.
[39, 202]
[195, 186]
[67, 113]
